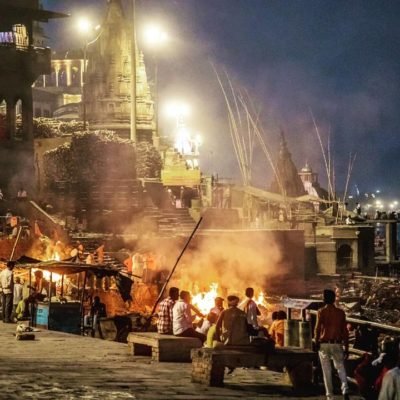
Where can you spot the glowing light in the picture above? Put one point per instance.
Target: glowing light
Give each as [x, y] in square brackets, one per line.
[261, 299]
[46, 275]
[199, 140]
[155, 36]
[205, 301]
[177, 109]
[84, 25]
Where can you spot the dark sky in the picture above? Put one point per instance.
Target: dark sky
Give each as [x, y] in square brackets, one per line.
[339, 58]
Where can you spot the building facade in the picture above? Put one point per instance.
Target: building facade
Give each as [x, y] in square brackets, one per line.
[22, 61]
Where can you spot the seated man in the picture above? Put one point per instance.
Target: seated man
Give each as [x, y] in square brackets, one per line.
[206, 324]
[165, 316]
[212, 331]
[232, 327]
[182, 324]
[277, 328]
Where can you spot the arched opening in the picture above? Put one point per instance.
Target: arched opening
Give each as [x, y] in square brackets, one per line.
[76, 76]
[18, 134]
[344, 257]
[62, 77]
[3, 119]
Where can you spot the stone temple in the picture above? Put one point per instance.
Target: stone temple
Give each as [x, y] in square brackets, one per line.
[107, 88]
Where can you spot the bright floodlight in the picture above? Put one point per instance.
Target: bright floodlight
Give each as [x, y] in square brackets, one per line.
[177, 109]
[84, 25]
[155, 36]
[199, 140]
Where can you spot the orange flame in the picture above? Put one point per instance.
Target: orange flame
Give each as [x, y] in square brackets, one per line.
[204, 301]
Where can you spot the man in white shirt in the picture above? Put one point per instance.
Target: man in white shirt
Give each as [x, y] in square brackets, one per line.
[390, 389]
[182, 323]
[17, 296]
[249, 306]
[7, 285]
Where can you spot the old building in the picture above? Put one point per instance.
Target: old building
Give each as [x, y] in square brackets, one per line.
[107, 88]
[59, 94]
[21, 62]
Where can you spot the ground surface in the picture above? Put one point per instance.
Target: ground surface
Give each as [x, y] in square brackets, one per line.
[67, 367]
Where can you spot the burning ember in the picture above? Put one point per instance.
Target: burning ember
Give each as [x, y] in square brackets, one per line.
[204, 301]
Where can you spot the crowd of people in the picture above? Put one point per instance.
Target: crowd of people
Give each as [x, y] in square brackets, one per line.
[235, 325]
[17, 297]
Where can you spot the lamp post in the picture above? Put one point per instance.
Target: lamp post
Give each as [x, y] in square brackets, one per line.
[155, 37]
[133, 73]
[84, 26]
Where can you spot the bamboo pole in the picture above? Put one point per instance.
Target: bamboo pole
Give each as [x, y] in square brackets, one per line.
[48, 317]
[82, 305]
[15, 243]
[330, 187]
[234, 131]
[350, 166]
[266, 151]
[173, 269]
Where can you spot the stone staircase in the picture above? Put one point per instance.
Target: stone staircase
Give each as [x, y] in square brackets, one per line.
[170, 222]
[91, 243]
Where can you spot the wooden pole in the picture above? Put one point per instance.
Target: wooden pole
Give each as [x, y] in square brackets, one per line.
[50, 284]
[174, 268]
[16, 242]
[82, 300]
[62, 285]
[30, 306]
[133, 74]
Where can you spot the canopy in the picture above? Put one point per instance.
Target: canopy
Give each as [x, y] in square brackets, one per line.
[67, 267]
[124, 283]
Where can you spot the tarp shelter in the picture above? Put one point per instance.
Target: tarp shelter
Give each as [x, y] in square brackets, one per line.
[66, 267]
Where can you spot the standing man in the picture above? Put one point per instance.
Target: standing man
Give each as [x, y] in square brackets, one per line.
[7, 284]
[390, 389]
[165, 317]
[331, 335]
[249, 306]
[17, 295]
[183, 319]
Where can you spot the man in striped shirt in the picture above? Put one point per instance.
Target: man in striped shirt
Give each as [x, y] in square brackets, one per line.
[164, 323]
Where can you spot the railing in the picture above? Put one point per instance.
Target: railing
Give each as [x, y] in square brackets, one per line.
[38, 57]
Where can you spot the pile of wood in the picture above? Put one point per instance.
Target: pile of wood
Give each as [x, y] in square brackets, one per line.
[379, 300]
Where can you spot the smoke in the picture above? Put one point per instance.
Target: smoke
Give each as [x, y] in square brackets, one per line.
[233, 261]
[270, 261]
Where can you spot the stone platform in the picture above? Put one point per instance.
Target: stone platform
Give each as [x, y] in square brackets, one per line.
[68, 367]
[162, 347]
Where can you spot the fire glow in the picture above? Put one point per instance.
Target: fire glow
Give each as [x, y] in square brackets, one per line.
[204, 301]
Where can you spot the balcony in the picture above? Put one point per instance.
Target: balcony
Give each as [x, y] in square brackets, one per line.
[31, 61]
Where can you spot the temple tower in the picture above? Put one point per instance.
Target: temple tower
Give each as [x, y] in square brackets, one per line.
[107, 88]
[287, 172]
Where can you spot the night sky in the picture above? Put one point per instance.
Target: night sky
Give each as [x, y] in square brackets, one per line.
[341, 59]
